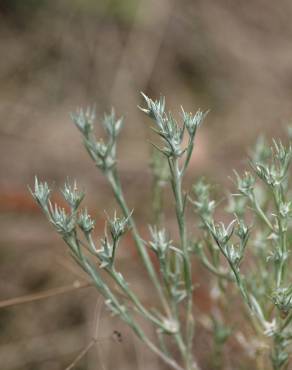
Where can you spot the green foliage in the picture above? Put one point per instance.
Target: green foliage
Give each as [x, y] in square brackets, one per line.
[261, 220]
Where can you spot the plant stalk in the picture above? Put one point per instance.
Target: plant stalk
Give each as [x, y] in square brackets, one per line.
[179, 205]
[117, 190]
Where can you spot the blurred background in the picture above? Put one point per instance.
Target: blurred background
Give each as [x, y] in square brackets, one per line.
[232, 57]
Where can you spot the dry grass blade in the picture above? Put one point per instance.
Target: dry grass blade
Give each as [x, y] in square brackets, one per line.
[81, 354]
[43, 295]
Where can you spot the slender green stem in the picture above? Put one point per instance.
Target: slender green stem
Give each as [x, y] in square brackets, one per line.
[189, 154]
[168, 360]
[125, 315]
[179, 205]
[128, 292]
[174, 309]
[116, 187]
[104, 289]
[280, 271]
[260, 212]
[220, 274]
[157, 202]
[280, 267]
[239, 280]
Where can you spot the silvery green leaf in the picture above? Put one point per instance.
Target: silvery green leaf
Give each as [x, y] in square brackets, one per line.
[245, 184]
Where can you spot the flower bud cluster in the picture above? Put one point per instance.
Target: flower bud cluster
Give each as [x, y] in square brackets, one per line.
[222, 235]
[85, 222]
[168, 128]
[72, 195]
[41, 193]
[103, 153]
[245, 184]
[192, 122]
[84, 120]
[274, 173]
[63, 222]
[160, 243]
[117, 227]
